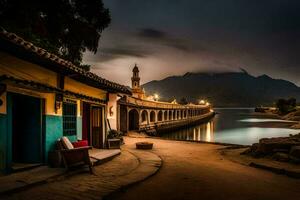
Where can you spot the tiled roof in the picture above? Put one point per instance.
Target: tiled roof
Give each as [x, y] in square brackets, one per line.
[92, 78]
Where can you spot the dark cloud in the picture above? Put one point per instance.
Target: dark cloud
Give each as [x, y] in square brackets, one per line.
[138, 45]
[163, 38]
[107, 54]
[126, 52]
[152, 33]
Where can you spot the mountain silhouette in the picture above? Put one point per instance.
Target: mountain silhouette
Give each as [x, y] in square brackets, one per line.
[229, 89]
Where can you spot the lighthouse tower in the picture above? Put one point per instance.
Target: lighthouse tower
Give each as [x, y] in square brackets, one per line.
[136, 89]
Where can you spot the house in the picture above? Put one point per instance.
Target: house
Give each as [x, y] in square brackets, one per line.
[44, 97]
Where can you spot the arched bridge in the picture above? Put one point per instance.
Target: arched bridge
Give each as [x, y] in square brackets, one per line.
[143, 115]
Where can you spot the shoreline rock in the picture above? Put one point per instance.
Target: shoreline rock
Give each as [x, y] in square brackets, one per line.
[285, 149]
[292, 116]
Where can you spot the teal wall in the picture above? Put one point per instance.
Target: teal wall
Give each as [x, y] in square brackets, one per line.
[53, 131]
[6, 138]
[3, 141]
[72, 138]
[8, 166]
[79, 128]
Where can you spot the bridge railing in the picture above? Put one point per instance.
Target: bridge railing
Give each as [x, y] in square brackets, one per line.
[152, 125]
[161, 105]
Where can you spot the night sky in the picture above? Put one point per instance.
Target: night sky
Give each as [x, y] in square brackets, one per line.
[172, 37]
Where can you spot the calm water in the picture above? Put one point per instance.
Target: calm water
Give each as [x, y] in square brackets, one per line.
[235, 126]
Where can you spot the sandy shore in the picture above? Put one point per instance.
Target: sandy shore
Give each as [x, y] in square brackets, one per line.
[236, 156]
[286, 124]
[295, 123]
[199, 171]
[264, 115]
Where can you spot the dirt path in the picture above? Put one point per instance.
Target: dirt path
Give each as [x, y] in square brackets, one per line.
[129, 167]
[198, 171]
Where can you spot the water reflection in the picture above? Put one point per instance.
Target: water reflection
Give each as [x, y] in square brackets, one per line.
[202, 132]
[264, 120]
[230, 126]
[209, 131]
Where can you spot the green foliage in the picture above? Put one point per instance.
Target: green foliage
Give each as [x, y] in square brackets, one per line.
[114, 134]
[292, 102]
[285, 106]
[85, 67]
[65, 27]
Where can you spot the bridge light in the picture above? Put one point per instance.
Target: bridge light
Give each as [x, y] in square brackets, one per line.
[156, 97]
[202, 102]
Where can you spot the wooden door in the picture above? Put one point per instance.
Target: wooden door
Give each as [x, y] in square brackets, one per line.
[97, 127]
[123, 119]
[86, 114]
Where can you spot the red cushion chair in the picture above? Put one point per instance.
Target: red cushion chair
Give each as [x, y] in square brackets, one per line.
[80, 143]
[74, 156]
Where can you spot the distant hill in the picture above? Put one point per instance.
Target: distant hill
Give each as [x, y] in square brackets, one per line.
[230, 89]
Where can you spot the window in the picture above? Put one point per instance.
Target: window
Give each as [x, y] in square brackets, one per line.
[69, 118]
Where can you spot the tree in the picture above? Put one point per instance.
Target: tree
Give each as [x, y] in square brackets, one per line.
[183, 101]
[284, 106]
[281, 104]
[64, 27]
[292, 102]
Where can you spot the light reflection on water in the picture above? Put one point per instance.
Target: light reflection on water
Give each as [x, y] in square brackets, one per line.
[230, 126]
[264, 120]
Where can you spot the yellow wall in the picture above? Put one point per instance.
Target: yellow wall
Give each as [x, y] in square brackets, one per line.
[50, 104]
[82, 88]
[18, 68]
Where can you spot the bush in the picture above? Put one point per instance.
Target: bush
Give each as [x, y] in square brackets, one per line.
[114, 134]
[285, 106]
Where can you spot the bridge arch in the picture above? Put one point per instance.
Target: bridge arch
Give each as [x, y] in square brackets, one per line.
[152, 116]
[170, 115]
[133, 119]
[144, 116]
[160, 116]
[166, 115]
